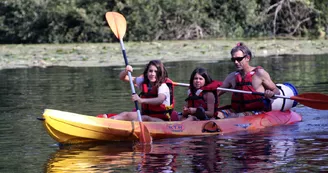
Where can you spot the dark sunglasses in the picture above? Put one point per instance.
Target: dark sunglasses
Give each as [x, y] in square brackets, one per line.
[238, 58]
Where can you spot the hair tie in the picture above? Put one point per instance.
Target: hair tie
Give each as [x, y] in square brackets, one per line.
[238, 44]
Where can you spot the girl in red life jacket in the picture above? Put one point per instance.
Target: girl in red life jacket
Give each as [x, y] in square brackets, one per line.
[156, 104]
[202, 101]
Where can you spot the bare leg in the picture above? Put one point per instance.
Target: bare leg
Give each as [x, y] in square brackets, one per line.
[148, 118]
[127, 116]
[190, 118]
[220, 115]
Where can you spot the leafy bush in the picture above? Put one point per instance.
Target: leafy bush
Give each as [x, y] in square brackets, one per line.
[65, 21]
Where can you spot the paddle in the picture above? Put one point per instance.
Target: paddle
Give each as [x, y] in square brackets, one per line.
[312, 100]
[117, 23]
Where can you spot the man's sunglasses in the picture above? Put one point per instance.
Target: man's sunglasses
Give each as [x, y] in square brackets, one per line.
[238, 58]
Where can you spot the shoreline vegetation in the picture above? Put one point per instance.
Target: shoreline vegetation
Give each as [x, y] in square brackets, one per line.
[109, 54]
[81, 21]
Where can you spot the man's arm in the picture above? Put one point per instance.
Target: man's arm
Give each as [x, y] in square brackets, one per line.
[268, 84]
[227, 83]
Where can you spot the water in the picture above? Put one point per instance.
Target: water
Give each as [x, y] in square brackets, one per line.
[26, 147]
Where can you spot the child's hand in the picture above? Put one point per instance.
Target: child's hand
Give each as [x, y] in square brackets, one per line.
[185, 110]
[192, 110]
[128, 68]
[135, 97]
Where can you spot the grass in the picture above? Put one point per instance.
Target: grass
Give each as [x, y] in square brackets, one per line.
[109, 54]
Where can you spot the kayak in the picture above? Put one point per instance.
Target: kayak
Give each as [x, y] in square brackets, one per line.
[73, 128]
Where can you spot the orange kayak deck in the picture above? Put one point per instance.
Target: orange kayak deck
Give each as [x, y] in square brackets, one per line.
[70, 128]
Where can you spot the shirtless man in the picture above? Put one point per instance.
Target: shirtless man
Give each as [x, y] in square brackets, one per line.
[247, 78]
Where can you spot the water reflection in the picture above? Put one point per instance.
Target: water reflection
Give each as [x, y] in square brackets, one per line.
[122, 157]
[269, 152]
[89, 158]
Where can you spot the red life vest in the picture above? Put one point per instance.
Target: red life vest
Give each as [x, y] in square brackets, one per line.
[158, 111]
[196, 100]
[246, 102]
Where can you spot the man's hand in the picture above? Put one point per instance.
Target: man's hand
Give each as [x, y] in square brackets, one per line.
[268, 94]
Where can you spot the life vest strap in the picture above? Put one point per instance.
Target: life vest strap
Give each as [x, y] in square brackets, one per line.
[243, 83]
[194, 98]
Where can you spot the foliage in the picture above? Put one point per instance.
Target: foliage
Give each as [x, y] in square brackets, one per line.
[233, 18]
[287, 17]
[159, 19]
[322, 17]
[64, 21]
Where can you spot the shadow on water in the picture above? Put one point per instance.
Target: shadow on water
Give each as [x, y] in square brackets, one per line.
[26, 147]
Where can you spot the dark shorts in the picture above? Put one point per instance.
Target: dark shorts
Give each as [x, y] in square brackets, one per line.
[230, 113]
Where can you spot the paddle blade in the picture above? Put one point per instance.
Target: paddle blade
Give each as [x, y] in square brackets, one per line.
[117, 23]
[313, 100]
[144, 136]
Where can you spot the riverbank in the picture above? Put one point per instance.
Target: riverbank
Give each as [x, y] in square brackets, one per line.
[110, 54]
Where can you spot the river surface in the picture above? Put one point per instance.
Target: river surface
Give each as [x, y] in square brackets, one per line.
[26, 147]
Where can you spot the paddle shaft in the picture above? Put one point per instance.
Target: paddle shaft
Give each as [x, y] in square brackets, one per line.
[313, 100]
[130, 79]
[237, 91]
[117, 23]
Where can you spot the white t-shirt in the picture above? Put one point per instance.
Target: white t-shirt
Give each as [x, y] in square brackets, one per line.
[163, 89]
